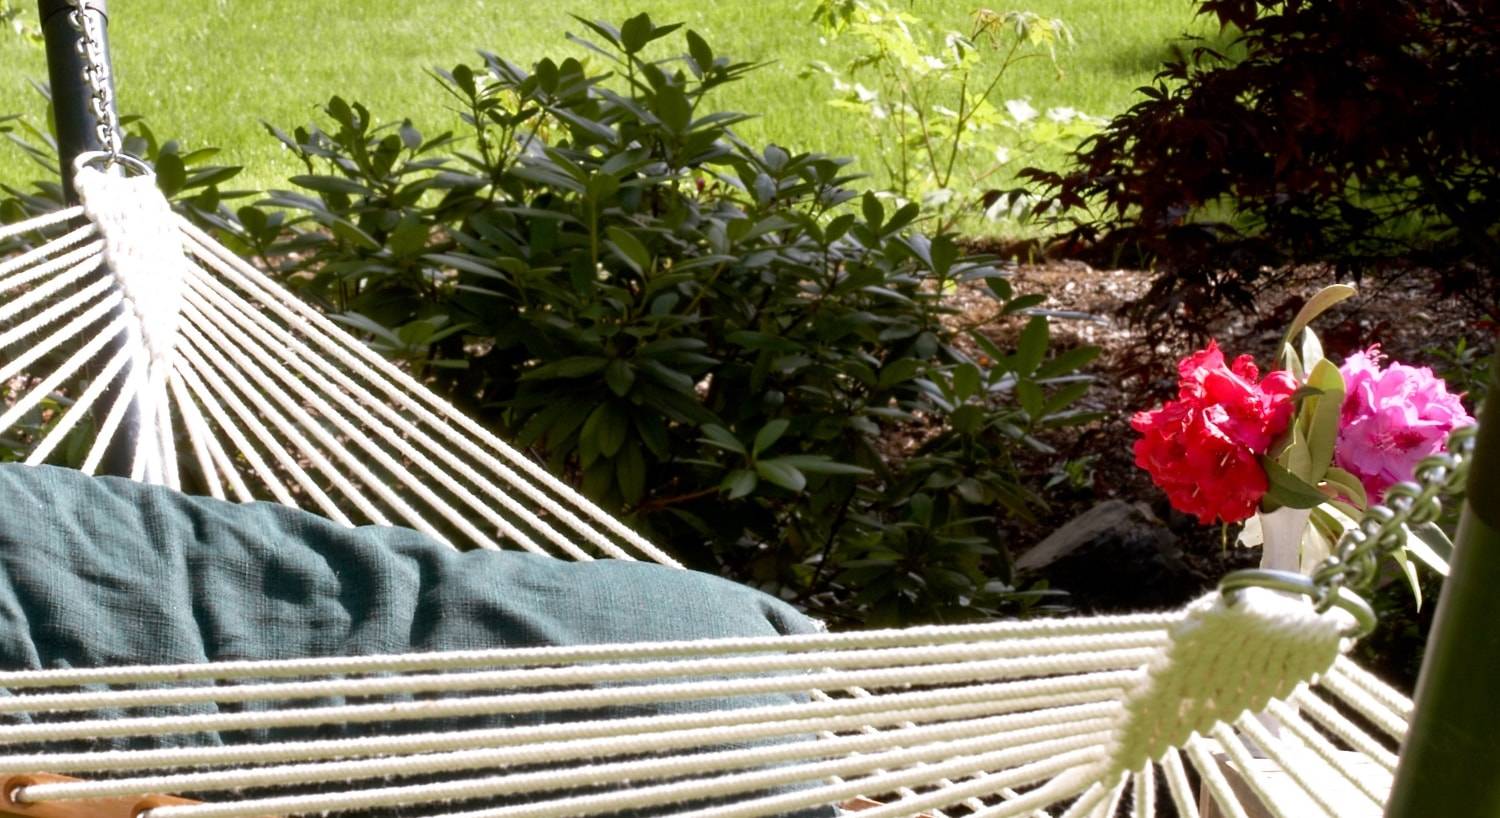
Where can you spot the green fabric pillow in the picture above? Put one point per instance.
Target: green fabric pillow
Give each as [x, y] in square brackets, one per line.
[106, 571]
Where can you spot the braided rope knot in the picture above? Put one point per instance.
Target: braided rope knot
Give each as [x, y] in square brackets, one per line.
[1226, 657]
[143, 250]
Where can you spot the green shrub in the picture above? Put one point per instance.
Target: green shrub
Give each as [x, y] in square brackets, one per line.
[935, 108]
[714, 340]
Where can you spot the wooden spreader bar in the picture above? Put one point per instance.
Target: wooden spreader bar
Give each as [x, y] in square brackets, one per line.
[134, 807]
[83, 808]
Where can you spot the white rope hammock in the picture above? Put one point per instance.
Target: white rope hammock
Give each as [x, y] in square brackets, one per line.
[1235, 707]
[274, 400]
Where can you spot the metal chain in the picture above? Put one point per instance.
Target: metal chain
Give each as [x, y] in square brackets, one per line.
[97, 76]
[1356, 559]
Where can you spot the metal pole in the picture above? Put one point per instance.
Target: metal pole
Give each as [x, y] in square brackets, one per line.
[72, 99]
[76, 116]
[1450, 762]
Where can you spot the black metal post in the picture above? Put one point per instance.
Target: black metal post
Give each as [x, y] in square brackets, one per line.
[1450, 763]
[77, 123]
[72, 106]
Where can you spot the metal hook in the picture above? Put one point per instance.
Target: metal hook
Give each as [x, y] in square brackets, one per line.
[108, 159]
[1292, 582]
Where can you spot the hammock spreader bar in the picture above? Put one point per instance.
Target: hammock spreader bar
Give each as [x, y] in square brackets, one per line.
[104, 808]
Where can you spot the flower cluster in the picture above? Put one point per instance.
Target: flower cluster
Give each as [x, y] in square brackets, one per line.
[1391, 419]
[1204, 448]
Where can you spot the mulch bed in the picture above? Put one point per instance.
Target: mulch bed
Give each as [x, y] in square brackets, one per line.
[1406, 313]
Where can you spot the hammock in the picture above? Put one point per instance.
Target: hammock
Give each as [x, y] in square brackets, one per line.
[1242, 704]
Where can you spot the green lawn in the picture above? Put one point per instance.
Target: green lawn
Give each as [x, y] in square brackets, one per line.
[209, 71]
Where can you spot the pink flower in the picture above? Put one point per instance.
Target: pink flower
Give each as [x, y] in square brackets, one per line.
[1391, 419]
[1203, 448]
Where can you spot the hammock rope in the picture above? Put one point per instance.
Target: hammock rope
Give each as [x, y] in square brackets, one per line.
[1015, 716]
[1085, 716]
[222, 355]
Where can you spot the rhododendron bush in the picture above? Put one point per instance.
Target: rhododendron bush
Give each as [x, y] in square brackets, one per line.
[1236, 446]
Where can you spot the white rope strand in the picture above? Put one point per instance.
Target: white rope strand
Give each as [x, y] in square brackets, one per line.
[214, 357]
[1073, 656]
[60, 336]
[41, 222]
[1061, 752]
[992, 730]
[456, 428]
[1298, 768]
[208, 319]
[212, 459]
[64, 371]
[984, 782]
[35, 255]
[919, 636]
[1143, 793]
[1240, 756]
[188, 374]
[1213, 778]
[167, 441]
[1325, 750]
[1088, 802]
[1380, 712]
[1380, 691]
[196, 353]
[296, 355]
[91, 254]
[1335, 723]
[1177, 785]
[144, 466]
[89, 264]
[541, 702]
[80, 408]
[924, 705]
[1067, 784]
[51, 314]
[124, 399]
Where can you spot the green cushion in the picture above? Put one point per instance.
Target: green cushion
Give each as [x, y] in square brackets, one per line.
[105, 571]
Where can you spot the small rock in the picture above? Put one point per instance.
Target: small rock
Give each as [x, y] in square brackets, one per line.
[1115, 556]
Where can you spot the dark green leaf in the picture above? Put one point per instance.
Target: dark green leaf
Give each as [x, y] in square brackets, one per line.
[330, 184]
[1067, 362]
[1031, 346]
[620, 376]
[739, 483]
[629, 249]
[607, 426]
[965, 381]
[1023, 302]
[1031, 398]
[630, 472]
[699, 50]
[769, 434]
[781, 473]
[574, 367]
[722, 438]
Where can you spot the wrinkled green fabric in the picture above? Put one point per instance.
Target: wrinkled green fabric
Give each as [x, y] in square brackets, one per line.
[105, 571]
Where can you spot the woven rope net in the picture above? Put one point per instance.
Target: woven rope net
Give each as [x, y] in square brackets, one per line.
[125, 328]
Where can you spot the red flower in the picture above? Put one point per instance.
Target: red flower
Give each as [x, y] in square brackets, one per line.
[1203, 448]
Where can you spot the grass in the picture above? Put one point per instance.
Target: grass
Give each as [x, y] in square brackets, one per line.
[209, 72]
